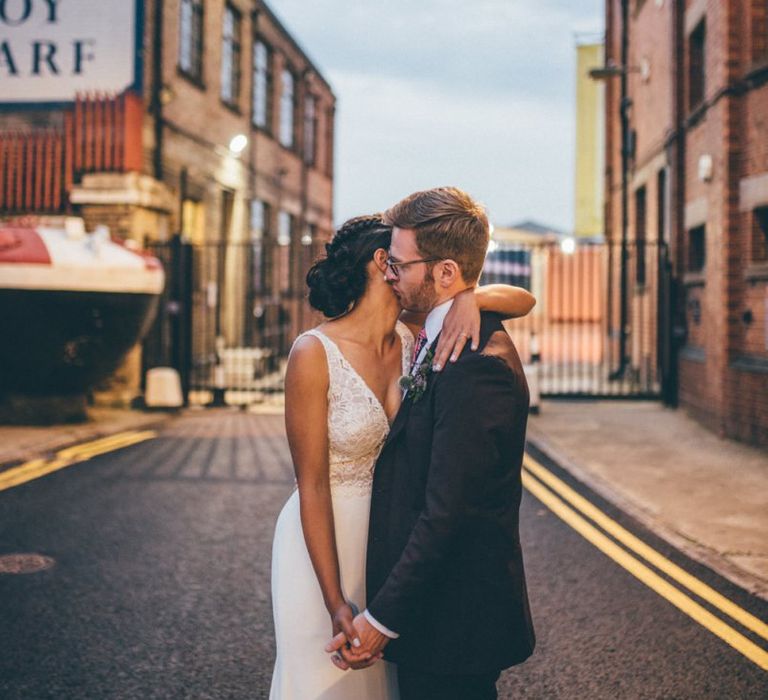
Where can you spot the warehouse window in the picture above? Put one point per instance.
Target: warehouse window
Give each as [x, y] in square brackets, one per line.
[697, 249]
[760, 31]
[310, 129]
[262, 85]
[284, 227]
[286, 108]
[760, 235]
[259, 223]
[230, 57]
[284, 231]
[661, 205]
[193, 220]
[640, 235]
[696, 65]
[329, 125]
[191, 38]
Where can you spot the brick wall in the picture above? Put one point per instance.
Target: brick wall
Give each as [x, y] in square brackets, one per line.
[723, 365]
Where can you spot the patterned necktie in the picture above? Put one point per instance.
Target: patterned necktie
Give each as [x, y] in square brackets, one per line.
[421, 341]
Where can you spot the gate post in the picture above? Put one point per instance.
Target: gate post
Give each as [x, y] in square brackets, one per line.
[181, 306]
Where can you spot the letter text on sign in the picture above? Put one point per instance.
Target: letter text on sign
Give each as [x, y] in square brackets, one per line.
[52, 50]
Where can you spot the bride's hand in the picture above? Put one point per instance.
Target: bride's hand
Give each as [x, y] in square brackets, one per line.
[342, 620]
[461, 324]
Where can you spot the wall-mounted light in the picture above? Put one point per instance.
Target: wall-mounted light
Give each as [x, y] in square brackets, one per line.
[238, 143]
[166, 95]
[568, 246]
[706, 167]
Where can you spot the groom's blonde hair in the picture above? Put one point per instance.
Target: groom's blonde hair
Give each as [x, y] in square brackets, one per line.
[448, 224]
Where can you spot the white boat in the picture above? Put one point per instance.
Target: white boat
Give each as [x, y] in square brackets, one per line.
[72, 304]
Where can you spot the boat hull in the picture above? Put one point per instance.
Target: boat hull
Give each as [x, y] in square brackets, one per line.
[66, 342]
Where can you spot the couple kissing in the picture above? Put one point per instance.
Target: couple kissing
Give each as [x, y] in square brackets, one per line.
[396, 568]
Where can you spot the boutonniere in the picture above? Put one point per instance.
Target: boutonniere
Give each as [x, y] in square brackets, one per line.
[415, 384]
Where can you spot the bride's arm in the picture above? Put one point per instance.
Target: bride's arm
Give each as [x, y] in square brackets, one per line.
[505, 299]
[463, 320]
[306, 422]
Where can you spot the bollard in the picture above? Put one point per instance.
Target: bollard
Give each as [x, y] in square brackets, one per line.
[163, 388]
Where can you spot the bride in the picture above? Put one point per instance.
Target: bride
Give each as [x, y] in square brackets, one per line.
[341, 396]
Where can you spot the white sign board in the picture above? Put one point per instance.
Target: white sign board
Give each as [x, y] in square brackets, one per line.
[50, 50]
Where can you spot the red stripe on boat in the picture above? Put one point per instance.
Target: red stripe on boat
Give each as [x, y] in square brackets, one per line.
[22, 245]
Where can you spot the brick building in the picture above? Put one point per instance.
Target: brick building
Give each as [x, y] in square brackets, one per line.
[225, 136]
[689, 81]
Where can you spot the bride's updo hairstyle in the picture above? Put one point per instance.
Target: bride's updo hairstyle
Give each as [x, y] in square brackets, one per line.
[339, 279]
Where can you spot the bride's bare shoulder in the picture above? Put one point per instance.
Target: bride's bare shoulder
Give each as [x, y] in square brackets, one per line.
[307, 357]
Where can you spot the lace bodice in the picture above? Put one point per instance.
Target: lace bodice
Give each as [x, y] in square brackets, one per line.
[357, 422]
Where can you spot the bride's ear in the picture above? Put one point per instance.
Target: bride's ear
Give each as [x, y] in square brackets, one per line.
[380, 258]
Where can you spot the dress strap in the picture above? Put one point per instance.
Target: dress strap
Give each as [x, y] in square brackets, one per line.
[332, 353]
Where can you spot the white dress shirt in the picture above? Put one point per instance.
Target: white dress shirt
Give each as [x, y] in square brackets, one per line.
[432, 325]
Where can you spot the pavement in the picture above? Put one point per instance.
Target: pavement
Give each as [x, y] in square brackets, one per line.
[22, 443]
[705, 495]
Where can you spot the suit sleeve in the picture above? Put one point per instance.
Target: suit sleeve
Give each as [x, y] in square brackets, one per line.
[473, 402]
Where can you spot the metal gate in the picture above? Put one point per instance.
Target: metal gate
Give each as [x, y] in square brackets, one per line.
[573, 337]
[228, 333]
[227, 338]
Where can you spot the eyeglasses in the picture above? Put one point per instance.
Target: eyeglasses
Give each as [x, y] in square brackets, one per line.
[393, 264]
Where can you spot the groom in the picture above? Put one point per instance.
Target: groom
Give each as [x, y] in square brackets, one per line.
[445, 580]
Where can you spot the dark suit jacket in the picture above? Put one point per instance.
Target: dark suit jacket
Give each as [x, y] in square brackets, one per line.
[444, 565]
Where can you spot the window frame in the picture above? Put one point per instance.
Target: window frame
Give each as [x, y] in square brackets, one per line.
[235, 72]
[193, 73]
[281, 129]
[697, 66]
[268, 85]
[641, 234]
[696, 262]
[759, 247]
[309, 129]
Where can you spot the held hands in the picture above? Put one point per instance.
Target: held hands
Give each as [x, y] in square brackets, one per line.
[461, 324]
[371, 643]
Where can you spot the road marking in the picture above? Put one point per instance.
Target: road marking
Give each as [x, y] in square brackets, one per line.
[640, 571]
[35, 468]
[619, 533]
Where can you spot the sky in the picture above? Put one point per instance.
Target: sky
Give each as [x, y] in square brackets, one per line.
[479, 94]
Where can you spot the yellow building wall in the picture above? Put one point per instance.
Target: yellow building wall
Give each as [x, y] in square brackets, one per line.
[590, 144]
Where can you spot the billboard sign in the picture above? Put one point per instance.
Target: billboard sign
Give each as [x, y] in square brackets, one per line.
[50, 50]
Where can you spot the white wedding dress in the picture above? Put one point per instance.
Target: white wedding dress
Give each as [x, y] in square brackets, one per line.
[357, 429]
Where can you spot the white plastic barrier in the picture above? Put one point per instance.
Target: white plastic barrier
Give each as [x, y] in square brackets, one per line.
[163, 388]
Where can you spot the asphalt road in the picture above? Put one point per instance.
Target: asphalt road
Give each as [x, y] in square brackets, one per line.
[160, 587]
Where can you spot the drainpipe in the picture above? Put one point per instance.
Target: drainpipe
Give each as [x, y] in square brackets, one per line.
[157, 86]
[624, 108]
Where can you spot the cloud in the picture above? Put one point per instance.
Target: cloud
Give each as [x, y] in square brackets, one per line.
[479, 94]
[502, 150]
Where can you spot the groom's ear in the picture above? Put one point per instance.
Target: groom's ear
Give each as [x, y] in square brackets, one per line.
[448, 273]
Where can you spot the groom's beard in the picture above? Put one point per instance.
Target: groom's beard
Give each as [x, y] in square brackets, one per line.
[423, 298]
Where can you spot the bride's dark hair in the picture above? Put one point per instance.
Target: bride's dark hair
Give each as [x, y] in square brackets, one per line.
[339, 279]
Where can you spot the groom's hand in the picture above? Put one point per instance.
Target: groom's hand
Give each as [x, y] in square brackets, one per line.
[372, 642]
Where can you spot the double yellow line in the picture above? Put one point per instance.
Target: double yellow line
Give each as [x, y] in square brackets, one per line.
[577, 512]
[35, 468]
